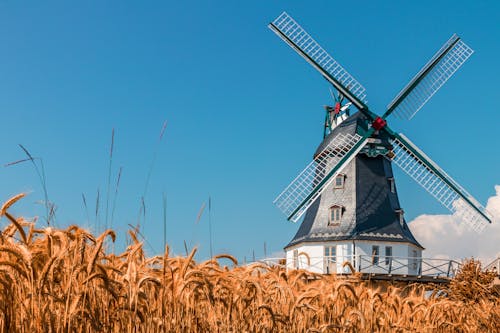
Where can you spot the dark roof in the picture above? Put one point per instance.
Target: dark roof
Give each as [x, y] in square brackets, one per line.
[375, 217]
[376, 205]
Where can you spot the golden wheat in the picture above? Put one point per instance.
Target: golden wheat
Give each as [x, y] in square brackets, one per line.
[54, 280]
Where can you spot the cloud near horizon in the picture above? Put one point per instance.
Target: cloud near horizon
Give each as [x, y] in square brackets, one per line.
[443, 236]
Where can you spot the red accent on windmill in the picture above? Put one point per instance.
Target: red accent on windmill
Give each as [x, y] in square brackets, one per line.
[379, 123]
[337, 108]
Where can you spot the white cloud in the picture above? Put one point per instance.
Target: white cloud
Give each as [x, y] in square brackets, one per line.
[444, 236]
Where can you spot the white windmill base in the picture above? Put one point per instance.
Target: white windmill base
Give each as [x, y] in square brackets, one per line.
[330, 258]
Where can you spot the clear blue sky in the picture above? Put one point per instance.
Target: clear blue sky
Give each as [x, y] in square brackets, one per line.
[244, 111]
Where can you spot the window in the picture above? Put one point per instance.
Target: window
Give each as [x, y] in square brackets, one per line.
[400, 214]
[392, 185]
[388, 254]
[331, 252]
[330, 259]
[415, 259]
[335, 215]
[375, 254]
[339, 181]
[296, 259]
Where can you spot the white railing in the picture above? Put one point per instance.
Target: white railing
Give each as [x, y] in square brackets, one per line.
[278, 261]
[408, 266]
[494, 266]
[388, 265]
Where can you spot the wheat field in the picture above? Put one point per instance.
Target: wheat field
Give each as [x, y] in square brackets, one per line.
[65, 280]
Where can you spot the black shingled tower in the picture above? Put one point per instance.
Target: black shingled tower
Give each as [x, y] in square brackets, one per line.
[371, 209]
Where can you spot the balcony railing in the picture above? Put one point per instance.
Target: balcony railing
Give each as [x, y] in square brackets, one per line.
[494, 266]
[408, 266]
[388, 265]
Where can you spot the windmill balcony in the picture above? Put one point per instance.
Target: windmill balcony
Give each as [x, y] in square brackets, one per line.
[494, 266]
[374, 264]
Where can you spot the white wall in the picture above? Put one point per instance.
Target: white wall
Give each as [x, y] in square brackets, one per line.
[401, 262]
[415, 252]
[311, 257]
[314, 261]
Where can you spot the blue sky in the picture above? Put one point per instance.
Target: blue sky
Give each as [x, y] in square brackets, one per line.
[244, 111]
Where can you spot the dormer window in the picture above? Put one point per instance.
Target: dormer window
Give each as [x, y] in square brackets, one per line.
[400, 214]
[339, 181]
[335, 215]
[392, 185]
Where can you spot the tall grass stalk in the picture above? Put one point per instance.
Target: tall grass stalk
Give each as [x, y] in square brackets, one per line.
[210, 225]
[200, 213]
[40, 171]
[164, 205]
[97, 204]
[86, 208]
[108, 189]
[151, 166]
[118, 178]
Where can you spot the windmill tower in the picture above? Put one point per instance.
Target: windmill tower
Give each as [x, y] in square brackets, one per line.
[348, 194]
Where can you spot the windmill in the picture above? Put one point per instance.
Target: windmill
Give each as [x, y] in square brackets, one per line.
[348, 192]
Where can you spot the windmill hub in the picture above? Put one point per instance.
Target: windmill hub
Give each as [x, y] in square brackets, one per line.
[379, 123]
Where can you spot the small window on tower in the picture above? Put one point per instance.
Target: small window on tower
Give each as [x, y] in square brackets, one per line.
[335, 215]
[388, 254]
[339, 181]
[392, 185]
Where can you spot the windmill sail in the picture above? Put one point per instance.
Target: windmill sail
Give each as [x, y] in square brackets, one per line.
[430, 79]
[311, 182]
[441, 186]
[294, 35]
